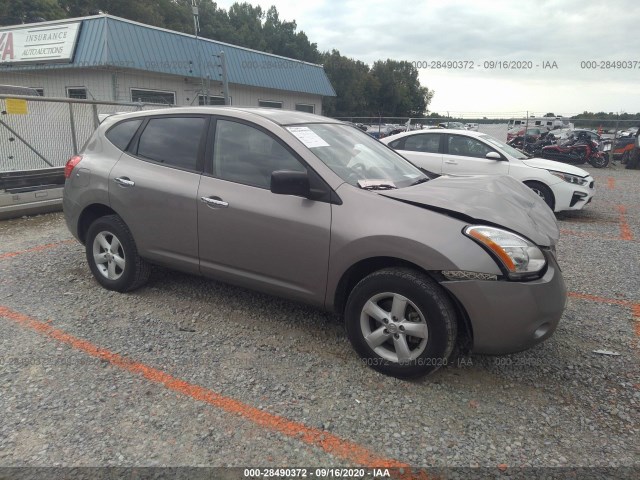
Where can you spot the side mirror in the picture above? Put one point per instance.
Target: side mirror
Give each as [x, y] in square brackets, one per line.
[493, 156]
[287, 182]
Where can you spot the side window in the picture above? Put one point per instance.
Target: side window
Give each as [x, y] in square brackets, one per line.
[467, 147]
[244, 154]
[428, 143]
[397, 144]
[173, 141]
[122, 133]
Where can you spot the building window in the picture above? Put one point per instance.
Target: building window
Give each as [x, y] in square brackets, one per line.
[269, 104]
[213, 100]
[304, 107]
[153, 96]
[79, 93]
[39, 90]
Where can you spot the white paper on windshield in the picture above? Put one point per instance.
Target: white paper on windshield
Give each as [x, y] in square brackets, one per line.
[307, 136]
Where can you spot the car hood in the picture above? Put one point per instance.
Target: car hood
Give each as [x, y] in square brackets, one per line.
[555, 166]
[497, 200]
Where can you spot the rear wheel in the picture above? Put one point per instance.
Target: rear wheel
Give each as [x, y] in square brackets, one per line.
[543, 192]
[113, 257]
[599, 161]
[401, 322]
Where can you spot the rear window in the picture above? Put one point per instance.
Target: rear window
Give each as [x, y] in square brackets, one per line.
[122, 133]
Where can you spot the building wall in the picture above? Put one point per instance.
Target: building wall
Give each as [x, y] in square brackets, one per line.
[115, 85]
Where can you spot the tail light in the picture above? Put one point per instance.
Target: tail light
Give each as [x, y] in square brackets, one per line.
[71, 163]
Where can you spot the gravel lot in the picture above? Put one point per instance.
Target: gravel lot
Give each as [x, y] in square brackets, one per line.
[558, 404]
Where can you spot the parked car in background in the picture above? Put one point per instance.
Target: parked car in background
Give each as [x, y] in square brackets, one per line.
[452, 125]
[454, 152]
[471, 126]
[308, 208]
[623, 148]
[380, 131]
[519, 132]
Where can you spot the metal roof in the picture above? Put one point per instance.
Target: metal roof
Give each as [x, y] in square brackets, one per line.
[108, 41]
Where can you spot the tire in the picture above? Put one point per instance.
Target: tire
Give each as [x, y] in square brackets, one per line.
[543, 192]
[599, 161]
[121, 268]
[625, 157]
[387, 304]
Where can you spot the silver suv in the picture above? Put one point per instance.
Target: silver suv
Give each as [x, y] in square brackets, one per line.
[311, 209]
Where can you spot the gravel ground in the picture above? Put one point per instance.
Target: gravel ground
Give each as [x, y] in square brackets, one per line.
[558, 404]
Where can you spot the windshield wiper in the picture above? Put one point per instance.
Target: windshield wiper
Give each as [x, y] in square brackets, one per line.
[418, 182]
[379, 186]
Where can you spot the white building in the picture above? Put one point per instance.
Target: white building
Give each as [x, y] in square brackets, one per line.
[108, 58]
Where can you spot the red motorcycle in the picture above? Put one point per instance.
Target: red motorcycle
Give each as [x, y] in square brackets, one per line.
[577, 150]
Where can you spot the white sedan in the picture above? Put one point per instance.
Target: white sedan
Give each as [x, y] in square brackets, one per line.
[463, 152]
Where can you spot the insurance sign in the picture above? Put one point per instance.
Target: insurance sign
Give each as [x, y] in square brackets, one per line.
[38, 43]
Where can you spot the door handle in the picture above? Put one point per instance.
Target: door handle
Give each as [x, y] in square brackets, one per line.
[214, 202]
[124, 181]
[452, 162]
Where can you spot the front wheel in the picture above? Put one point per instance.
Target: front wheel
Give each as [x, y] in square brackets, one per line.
[599, 161]
[401, 322]
[113, 257]
[543, 192]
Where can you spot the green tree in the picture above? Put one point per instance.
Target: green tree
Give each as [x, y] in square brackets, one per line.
[24, 11]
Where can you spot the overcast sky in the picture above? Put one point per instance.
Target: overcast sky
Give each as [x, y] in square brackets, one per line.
[566, 32]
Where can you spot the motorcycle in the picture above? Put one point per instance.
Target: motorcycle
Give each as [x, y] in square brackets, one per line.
[577, 151]
[533, 146]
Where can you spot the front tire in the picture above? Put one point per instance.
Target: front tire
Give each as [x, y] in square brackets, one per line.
[113, 256]
[401, 322]
[543, 192]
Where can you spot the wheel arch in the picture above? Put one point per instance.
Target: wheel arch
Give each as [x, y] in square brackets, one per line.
[364, 267]
[89, 215]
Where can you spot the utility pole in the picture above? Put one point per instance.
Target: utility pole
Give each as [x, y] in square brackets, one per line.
[225, 79]
[196, 28]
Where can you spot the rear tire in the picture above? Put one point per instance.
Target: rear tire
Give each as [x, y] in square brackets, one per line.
[599, 161]
[113, 256]
[401, 322]
[543, 192]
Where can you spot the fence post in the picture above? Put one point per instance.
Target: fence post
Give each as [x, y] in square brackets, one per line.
[73, 129]
[96, 120]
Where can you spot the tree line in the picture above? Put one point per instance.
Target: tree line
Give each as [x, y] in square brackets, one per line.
[388, 88]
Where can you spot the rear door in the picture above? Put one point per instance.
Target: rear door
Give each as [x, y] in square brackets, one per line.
[154, 187]
[423, 149]
[467, 156]
[252, 237]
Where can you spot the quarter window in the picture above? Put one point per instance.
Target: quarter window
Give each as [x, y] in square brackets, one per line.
[428, 143]
[173, 141]
[246, 155]
[122, 133]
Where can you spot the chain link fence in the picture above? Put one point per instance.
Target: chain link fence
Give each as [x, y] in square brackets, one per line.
[37, 132]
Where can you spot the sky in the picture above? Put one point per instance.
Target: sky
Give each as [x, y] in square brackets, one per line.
[527, 56]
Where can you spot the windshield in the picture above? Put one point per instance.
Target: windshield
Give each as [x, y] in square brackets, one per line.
[509, 150]
[356, 157]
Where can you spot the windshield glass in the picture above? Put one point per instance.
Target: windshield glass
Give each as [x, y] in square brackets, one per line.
[356, 157]
[509, 150]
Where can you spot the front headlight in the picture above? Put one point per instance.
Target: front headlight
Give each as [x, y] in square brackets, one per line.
[518, 257]
[570, 178]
